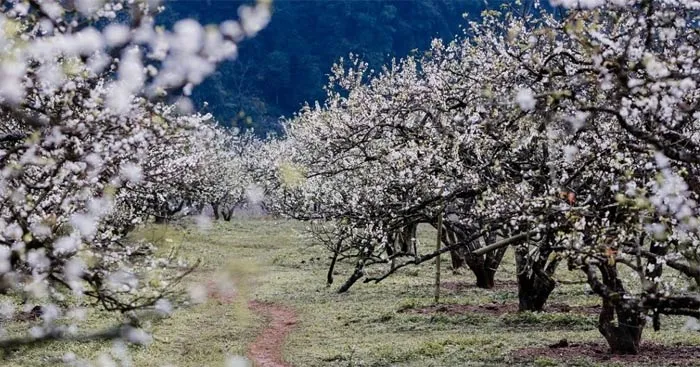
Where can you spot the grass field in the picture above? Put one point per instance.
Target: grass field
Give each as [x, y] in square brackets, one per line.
[372, 325]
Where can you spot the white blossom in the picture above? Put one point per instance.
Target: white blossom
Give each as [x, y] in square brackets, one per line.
[526, 99]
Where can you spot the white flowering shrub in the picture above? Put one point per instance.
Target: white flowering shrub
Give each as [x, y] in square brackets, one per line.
[616, 91]
[573, 138]
[202, 164]
[90, 146]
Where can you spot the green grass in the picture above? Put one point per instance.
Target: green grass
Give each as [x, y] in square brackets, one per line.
[270, 260]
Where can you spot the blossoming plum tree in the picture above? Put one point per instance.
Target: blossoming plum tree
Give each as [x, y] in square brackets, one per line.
[86, 129]
[576, 141]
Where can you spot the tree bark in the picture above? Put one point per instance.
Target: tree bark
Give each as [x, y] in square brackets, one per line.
[484, 277]
[215, 210]
[455, 255]
[535, 274]
[437, 259]
[533, 291]
[483, 266]
[535, 282]
[457, 260]
[227, 214]
[331, 268]
[359, 273]
[624, 334]
[406, 238]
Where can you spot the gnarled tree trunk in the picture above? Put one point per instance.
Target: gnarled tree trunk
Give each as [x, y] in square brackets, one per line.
[623, 337]
[533, 291]
[535, 271]
[621, 320]
[483, 266]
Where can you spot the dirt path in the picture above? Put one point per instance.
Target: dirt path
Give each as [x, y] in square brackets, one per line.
[266, 351]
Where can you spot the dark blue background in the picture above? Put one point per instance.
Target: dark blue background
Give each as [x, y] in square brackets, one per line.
[287, 63]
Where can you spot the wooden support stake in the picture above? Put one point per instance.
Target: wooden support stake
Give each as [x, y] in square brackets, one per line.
[437, 259]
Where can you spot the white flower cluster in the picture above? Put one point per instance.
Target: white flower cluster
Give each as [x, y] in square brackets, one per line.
[89, 149]
[575, 137]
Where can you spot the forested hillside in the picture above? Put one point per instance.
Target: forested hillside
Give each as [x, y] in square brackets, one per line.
[288, 62]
